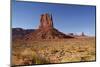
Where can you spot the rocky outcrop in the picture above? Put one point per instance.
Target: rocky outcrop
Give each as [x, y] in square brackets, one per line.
[46, 22]
[46, 30]
[19, 33]
[82, 34]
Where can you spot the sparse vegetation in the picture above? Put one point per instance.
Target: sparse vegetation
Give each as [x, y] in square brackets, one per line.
[53, 51]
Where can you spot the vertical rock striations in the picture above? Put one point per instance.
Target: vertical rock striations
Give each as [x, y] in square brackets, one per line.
[46, 30]
[46, 21]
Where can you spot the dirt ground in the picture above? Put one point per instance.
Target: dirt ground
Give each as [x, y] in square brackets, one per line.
[53, 51]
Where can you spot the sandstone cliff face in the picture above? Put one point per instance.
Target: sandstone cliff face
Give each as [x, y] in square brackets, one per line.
[46, 22]
[46, 30]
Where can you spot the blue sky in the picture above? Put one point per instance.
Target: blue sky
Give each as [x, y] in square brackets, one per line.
[67, 18]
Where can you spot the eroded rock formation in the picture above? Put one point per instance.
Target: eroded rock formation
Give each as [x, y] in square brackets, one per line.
[46, 21]
[46, 30]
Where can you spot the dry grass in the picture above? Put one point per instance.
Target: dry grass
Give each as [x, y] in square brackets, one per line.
[53, 51]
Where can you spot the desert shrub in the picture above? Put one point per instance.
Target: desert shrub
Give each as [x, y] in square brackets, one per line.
[54, 51]
[88, 58]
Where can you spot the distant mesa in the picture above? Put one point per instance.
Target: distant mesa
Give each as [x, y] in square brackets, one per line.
[83, 34]
[19, 33]
[45, 30]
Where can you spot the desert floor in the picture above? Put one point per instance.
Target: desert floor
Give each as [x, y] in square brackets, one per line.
[53, 51]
